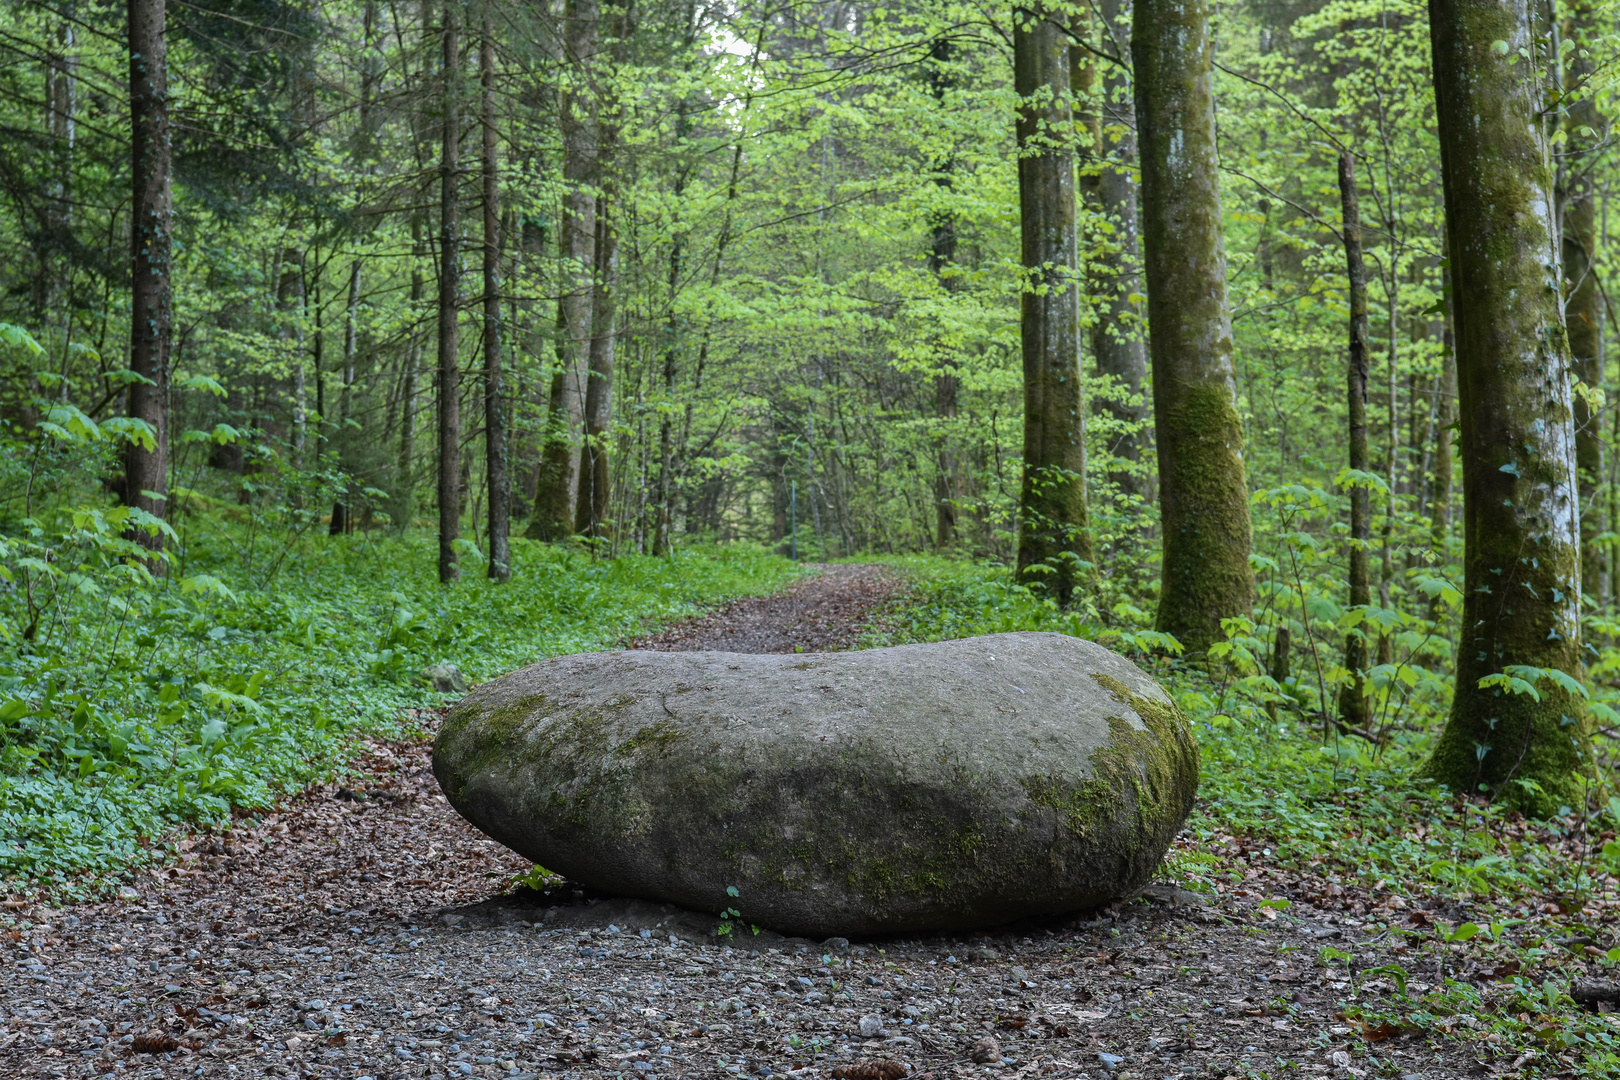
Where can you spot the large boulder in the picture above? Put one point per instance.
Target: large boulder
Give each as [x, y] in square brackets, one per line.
[922, 787]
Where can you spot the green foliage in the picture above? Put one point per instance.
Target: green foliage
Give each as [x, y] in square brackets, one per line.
[1349, 812]
[131, 702]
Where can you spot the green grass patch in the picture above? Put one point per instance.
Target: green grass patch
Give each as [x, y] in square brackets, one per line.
[130, 705]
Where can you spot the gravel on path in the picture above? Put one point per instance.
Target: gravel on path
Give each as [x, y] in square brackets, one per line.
[823, 611]
[365, 930]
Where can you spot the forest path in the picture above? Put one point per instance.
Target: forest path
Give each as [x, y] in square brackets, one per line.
[823, 611]
[359, 931]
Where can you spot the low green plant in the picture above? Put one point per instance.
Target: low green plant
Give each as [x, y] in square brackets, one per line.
[138, 695]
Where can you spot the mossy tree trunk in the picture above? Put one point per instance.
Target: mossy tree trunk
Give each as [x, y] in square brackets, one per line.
[1353, 697]
[1521, 561]
[1203, 493]
[1054, 536]
[553, 501]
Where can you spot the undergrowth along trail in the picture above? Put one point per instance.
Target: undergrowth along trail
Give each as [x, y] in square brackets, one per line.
[141, 703]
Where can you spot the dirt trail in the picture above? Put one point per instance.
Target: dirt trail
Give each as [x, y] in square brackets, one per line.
[822, 612]
[359, 932]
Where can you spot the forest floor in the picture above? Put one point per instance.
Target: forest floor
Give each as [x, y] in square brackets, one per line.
[365, 930]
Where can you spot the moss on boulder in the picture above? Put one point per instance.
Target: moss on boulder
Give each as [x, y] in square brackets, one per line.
[923, 787]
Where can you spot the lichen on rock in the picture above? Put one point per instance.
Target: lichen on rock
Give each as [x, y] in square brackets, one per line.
[942, 786]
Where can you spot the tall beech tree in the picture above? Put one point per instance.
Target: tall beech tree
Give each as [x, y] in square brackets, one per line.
[495, 466]
[1353, 708]
[151, 316]
[592, 512]
[1583, 297]
[1203, 494]
[1526, 739]
[449, 377]
[1113, 268]
[941, 260]
[1054, 535]
[553, 517]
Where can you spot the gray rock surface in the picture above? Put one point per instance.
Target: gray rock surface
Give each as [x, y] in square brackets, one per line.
[949, 785]
[445, 678]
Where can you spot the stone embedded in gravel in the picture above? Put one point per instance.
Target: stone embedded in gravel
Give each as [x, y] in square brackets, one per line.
[871, 1024]
[950, 785]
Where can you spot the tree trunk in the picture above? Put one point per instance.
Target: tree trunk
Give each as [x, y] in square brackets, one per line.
[404, 493]
[61, 105]
[1203, 493]
[553, 501]
[1054, 536]
[1114, 271]
[449, 295]
[1353, 711]
[1445, 414]
[1521, 561]
[342, 518]
[593, 509]
[941, 263]
[592, 512]
[151, 317]
[1583, 302]
[499, 483]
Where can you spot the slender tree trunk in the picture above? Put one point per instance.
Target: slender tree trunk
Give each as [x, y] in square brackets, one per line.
[1445, 414]
[1203, 493]
[404, 493]
[1054, 534]
[671, 353]
[591, 513]
[553, 510]
[1114, 270]
[593, 510]
[1583, 301]
[151, 318]
[290, 303]
[1521, 562]
[672, 347]
[61, 103]
[342, 518]
[1353, 712]
[499, 483]
[941, 263]
[449, 297]
[309, 288]
[673, 328]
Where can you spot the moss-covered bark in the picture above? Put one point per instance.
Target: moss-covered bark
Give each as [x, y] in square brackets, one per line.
[1521, 566]
[1203, 494]
[1054, 534]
